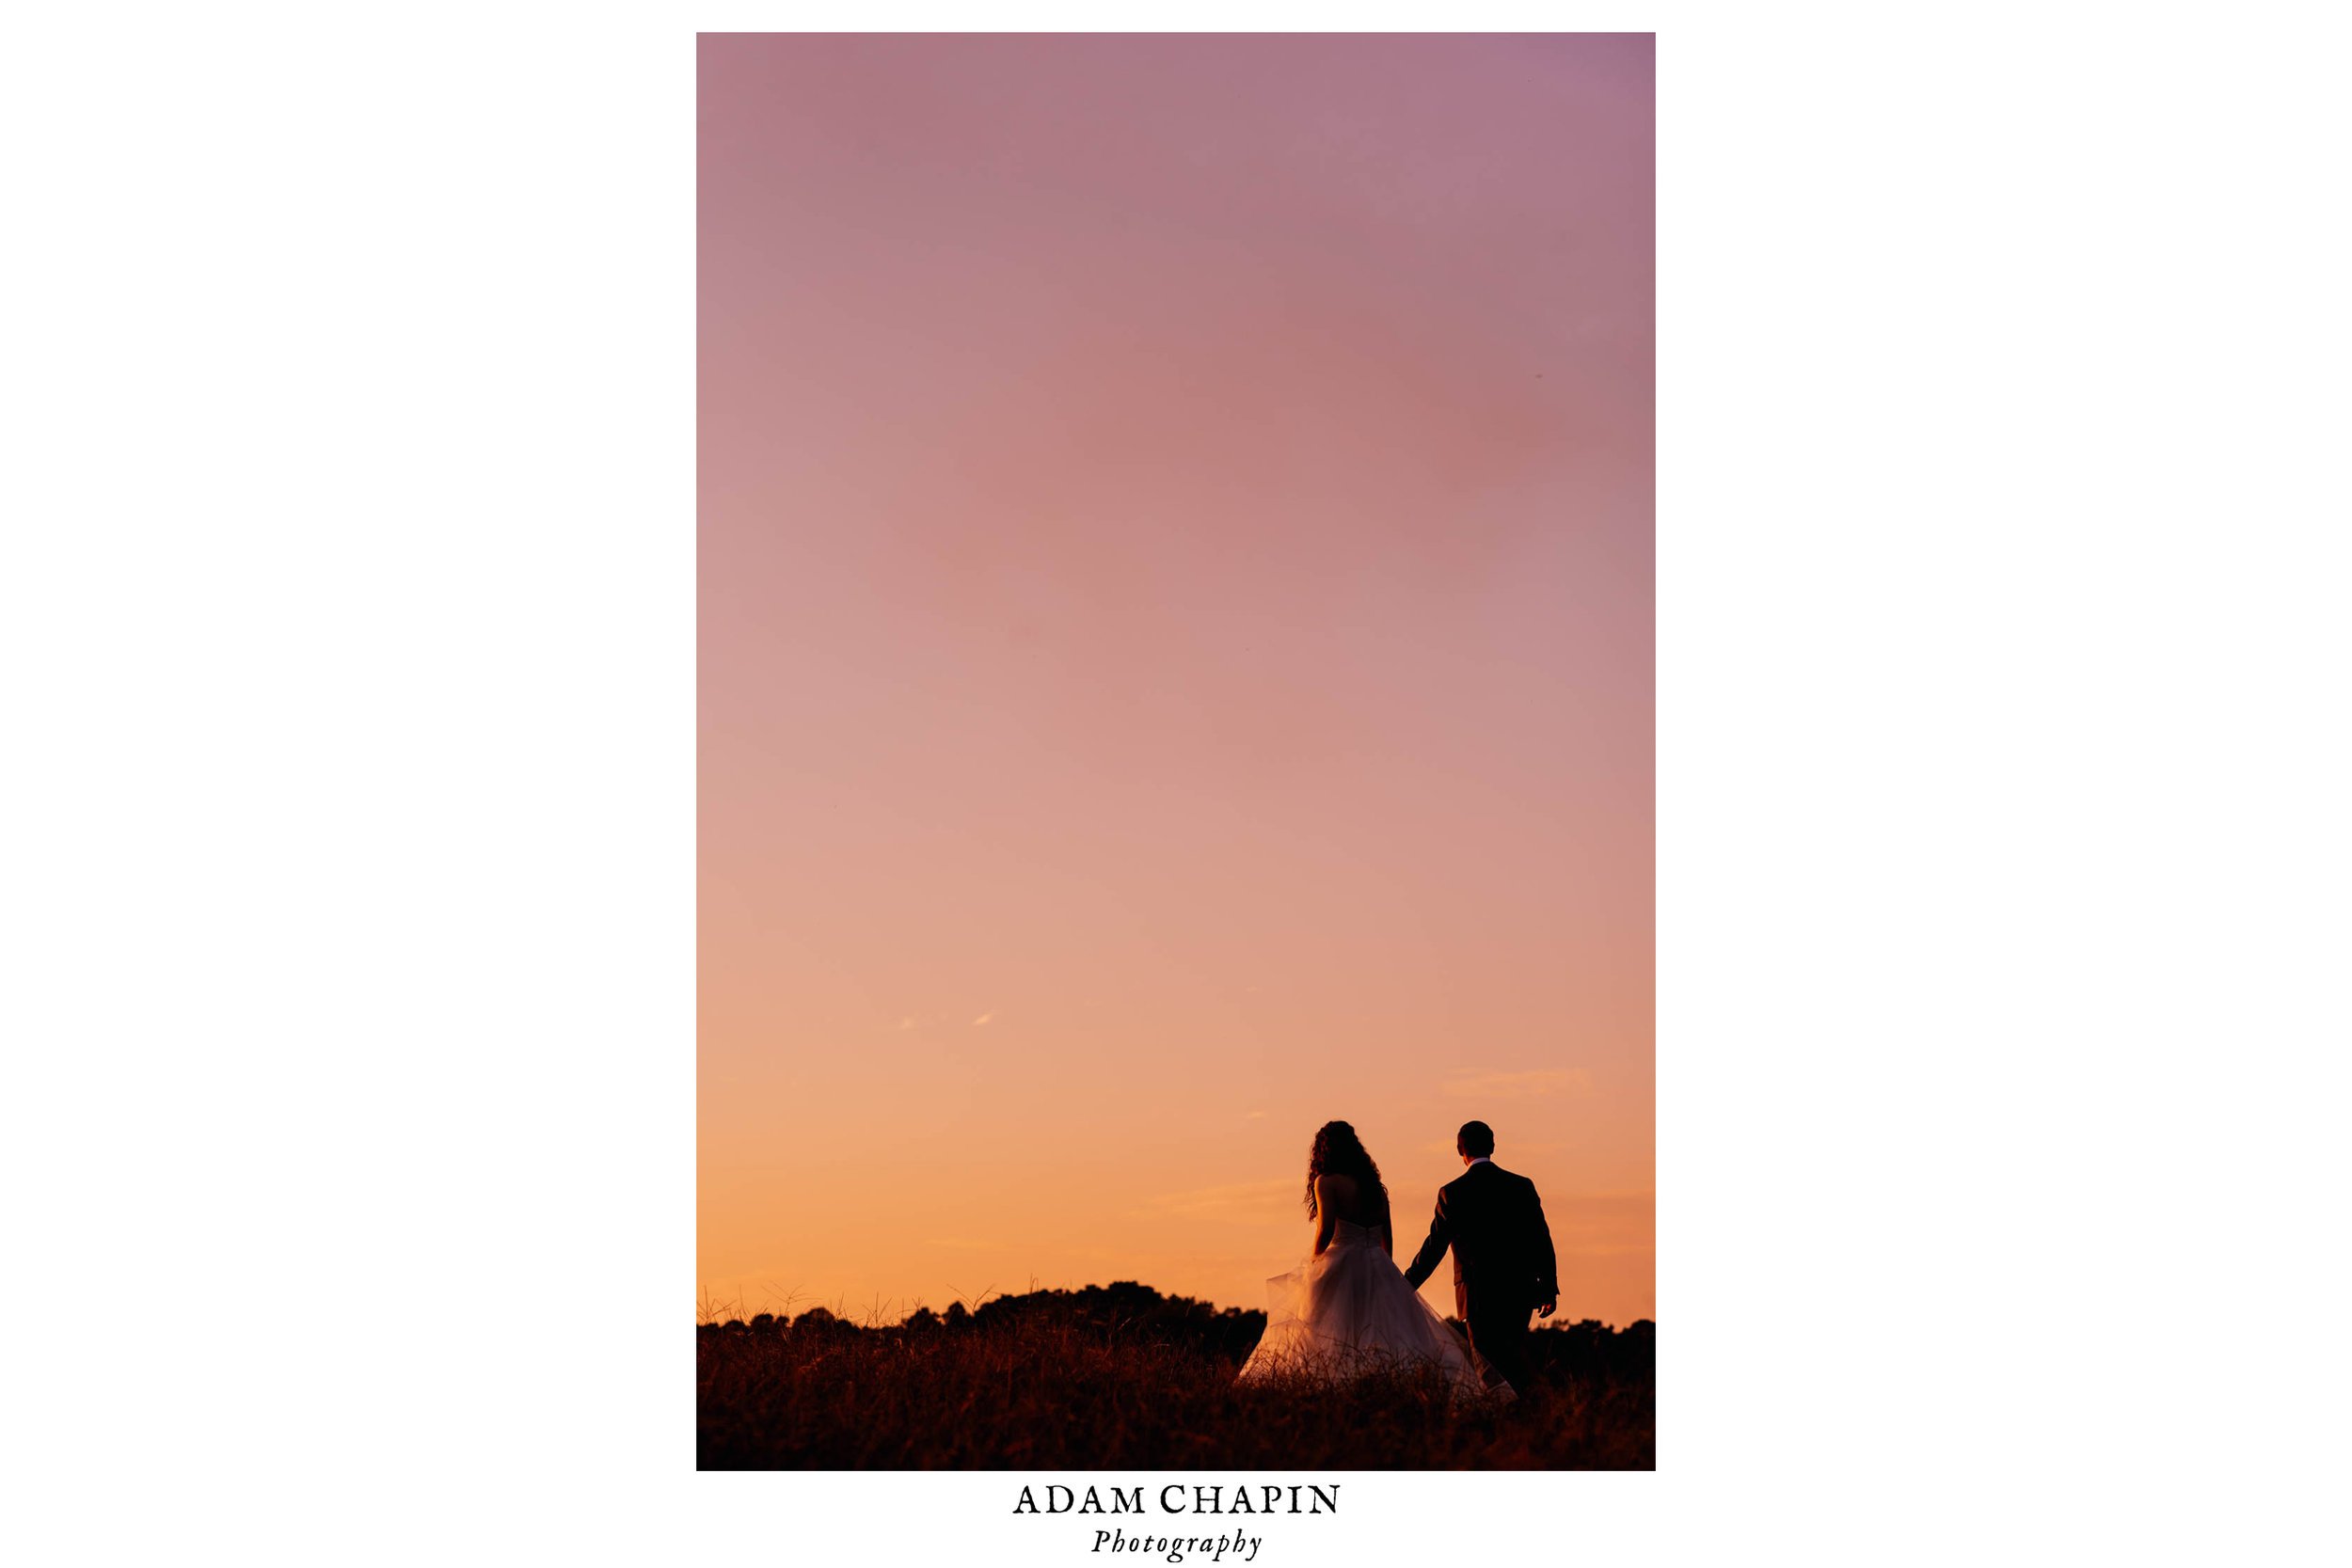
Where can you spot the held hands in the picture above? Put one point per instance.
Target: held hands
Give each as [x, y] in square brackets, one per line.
[1545, 1309]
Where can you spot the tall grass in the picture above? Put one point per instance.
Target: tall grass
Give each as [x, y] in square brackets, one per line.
[1057, 1387]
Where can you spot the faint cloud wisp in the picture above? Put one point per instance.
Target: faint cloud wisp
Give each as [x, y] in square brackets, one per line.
[1520, 1086]
[1264, 1201]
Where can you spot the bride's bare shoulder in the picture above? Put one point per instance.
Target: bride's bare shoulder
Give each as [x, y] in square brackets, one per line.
[1334, 1190]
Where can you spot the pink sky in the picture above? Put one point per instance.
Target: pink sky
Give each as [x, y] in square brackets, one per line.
[1176, 622]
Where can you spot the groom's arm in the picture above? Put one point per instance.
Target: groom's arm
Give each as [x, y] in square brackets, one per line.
[1440, 1236]
[1547, 1261]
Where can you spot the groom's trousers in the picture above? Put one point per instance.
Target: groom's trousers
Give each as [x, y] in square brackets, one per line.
[1497, 1332]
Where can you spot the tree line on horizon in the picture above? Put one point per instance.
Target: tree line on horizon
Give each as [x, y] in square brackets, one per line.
[1127, 1310]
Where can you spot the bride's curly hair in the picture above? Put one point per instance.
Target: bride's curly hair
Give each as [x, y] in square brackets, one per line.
[1338, 1151]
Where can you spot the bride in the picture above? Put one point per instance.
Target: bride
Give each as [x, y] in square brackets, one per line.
[1348, 1309]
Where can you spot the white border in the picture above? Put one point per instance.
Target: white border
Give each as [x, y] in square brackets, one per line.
[347, 614]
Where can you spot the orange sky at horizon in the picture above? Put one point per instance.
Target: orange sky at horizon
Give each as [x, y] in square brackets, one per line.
[1176, 618]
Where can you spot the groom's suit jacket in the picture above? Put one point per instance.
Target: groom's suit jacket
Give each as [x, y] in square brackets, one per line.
[1503, 1255]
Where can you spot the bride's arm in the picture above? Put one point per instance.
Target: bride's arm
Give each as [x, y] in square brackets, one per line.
[1325, 1223]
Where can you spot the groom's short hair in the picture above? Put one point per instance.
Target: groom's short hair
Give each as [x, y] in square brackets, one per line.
[1475, 1139]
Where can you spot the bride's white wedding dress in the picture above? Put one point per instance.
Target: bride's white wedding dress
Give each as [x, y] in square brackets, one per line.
[1351, 1311]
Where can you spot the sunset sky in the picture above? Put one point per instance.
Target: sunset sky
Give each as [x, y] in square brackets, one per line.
[1175, 652]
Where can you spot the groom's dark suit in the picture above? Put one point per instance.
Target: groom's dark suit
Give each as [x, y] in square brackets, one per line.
[1504, 1266]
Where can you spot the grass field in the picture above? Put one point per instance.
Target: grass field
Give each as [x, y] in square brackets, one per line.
[1121, 1377]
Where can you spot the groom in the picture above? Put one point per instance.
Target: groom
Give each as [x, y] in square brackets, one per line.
[1503, 1260]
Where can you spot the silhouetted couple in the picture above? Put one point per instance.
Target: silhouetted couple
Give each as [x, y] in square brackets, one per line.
[1350, 1309]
